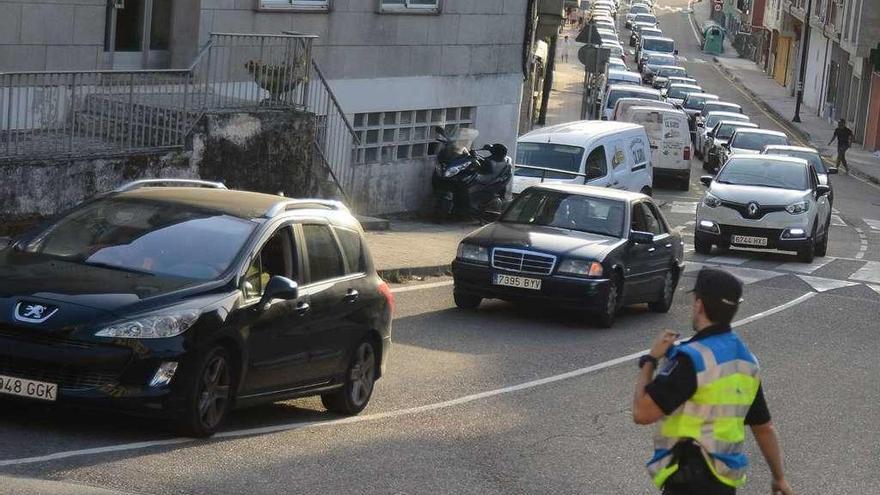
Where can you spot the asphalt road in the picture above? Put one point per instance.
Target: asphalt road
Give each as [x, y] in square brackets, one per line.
[526, 400]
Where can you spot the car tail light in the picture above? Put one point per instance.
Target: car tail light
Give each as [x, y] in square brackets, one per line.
[687, 152]
[385, 290]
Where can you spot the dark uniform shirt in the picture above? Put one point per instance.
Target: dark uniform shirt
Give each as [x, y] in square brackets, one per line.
[675, 383]
[844, 137]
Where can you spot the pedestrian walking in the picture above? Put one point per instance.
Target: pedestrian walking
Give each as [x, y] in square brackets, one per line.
[705, 392]
[565, 46]
[844, 137]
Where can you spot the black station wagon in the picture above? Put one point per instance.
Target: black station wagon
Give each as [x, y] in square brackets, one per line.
[184, 302]
[575, 247]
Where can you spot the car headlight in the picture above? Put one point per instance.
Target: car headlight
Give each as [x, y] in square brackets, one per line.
[153, 326]
[711, 201]
[472, 252]
[583, 268]
[453, 171]
[798, 208]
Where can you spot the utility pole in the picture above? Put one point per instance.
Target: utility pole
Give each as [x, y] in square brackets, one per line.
[803, 71]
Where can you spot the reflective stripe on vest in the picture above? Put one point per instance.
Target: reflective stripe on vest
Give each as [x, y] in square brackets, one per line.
[714, 417]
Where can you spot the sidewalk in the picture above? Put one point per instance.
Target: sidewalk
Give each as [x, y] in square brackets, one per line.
[568, 82]
[702, 12]
[416, 249]
[814, 131]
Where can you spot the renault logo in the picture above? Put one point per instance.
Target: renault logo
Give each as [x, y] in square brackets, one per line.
[753, 209]
[29, 312]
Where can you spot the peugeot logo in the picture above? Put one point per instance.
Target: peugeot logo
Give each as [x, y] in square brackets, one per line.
[29, 312]
[753, 209]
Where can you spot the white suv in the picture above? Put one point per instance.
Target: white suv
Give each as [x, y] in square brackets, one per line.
[764, 202]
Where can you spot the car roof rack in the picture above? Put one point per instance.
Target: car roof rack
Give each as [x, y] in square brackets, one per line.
[304, 204]
[131, 186]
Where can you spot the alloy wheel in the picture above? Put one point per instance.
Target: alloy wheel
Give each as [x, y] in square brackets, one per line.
[363, 374]
[214, 394]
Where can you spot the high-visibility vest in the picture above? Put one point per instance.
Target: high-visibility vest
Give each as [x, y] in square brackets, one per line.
[714, 417]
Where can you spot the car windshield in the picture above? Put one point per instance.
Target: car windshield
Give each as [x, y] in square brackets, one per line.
[680, 92]
[756, 141]
[714, 106]
[568, 211]
[726, 130]
[714, 119]
[671, 71]
[658, 45]
[640, 9]
[696, 102]
[158, 238]
[647, 31]
[811, 157]
[660, 59]
[645, 18]
[548, 155]
[624, 93]
[765, 173]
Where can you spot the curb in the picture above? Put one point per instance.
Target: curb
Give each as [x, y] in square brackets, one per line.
[400, 275]
[790, 126]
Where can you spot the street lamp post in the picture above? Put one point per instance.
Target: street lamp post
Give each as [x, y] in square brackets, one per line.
[803, 71]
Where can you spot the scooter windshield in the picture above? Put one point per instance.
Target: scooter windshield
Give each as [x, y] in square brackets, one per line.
[464, 138]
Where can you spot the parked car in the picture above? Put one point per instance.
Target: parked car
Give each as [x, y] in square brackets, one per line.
[643, 29]
[656, 45]
[619, 91]
[616, 50]
[693, 105]
[677, 93]
[651, 61]
[623, 77]
[663, 72]
[624, 105]
[617, 64]
[636, 10]
[579, 248]
[745, 141]
[669, 139]
[717, 138]
[681, 80]
[765, 202]
[715, 106]
[184, 302]
[707, 125]
[598, 153]
[644, 18]
[811, 155]
[608, 36]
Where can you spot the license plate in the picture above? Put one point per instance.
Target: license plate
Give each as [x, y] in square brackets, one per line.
[747, 240]
[32, 389]
[520, 282]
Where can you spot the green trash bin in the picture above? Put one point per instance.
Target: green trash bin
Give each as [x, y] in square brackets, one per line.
[713, 38]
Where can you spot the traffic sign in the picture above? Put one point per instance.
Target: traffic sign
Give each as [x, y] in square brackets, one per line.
[718, 7]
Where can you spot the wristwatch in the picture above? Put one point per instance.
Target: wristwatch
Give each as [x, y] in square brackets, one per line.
[647, 358]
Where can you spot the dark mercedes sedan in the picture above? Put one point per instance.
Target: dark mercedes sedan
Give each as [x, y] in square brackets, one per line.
[184, 302]
[574, 247]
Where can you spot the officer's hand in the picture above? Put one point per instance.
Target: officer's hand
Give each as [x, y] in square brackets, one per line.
[781, 486]
[662, 343]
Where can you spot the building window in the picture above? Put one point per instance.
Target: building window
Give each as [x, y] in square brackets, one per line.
[410, 6]
[390, 136]
[301, 5]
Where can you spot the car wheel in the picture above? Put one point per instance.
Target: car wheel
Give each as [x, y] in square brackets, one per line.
[612, 304]
[663, 304]
[702, 246]
[360, 377]
[466, 301]
[822, 248]
[807, 254]
[208, 395]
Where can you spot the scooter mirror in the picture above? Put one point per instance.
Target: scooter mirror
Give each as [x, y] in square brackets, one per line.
[441, 132]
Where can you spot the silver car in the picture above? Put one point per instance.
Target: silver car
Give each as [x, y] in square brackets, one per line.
[716, 138]
[750, 142]
[812, 157]
[764, 202]
[706, 126]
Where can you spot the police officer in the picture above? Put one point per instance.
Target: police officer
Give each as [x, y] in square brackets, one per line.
[705, 392]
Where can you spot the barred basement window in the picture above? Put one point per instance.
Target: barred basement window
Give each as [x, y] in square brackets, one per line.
[390, 136]
[295, 5]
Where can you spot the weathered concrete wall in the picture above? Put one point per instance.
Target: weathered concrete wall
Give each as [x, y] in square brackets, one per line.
[395, 187]
[267, 152]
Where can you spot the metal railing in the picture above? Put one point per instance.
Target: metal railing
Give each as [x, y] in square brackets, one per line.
[76, 114]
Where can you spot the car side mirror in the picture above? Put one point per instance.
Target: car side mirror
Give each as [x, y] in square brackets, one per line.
[279, 288]
[706, 180]
[822, 190]
[832, 170]
[675, 52]
[637, 237]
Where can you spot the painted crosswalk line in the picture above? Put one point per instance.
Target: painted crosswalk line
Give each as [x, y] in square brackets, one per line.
[820, 284]
[837, 221]
[870, 272]
[746, 275]
[799, 267]
[874, 224]
[729, 260]
[875, 288]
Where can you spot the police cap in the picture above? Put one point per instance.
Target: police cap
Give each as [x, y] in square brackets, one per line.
[717, 285]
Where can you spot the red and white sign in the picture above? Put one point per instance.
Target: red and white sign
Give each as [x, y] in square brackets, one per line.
[718, 7]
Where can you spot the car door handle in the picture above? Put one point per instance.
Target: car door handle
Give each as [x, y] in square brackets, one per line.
[669, 245]
[352, 296]
[303, 308]
[651, 250]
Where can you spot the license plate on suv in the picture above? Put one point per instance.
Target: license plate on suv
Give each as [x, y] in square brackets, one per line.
[31, 389]
[514, 281]
[748, 240]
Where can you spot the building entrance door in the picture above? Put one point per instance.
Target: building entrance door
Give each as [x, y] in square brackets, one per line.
[780, 70]
[138, 34]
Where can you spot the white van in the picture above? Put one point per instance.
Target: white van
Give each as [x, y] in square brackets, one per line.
[594, 152]
[669, 135]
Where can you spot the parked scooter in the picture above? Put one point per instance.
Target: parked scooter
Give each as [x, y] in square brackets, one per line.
[467, 184]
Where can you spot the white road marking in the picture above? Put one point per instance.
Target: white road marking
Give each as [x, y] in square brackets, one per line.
[698, 61]
[870, 272]
[434, 285]
[837, 221]
[863, 243]
[875, 288]
[874, 224]
[746, 275]
[805, 267]
[825, 284]
[378, 416]
[693, 27]
[685, 207]
[729, 260]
